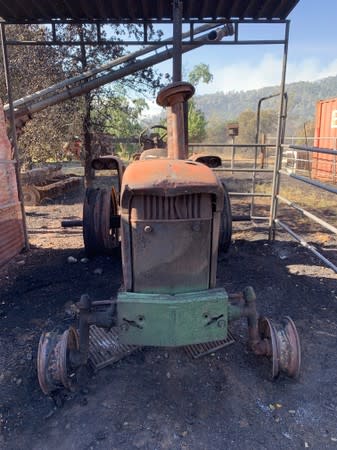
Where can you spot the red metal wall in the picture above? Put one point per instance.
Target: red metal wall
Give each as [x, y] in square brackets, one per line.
[11, 228]
[324, 166]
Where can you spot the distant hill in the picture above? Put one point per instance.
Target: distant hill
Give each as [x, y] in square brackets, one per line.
[302, 97]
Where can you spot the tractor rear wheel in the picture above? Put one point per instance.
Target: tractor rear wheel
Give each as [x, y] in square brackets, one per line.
[99, 207]
[225, 223]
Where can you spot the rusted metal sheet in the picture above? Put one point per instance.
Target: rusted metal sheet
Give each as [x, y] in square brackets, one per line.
[11, 232]
[135, 9]
[8, 188]
[11, 226]
[171, 256]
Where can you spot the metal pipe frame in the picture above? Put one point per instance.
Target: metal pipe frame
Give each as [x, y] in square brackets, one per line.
[308, 214]
[249, 194]
[325, 151]
[177, 40]
[167, 21]
[224, 169]
[323, 186]
[99, 70]
[189, 40]
[306, 245]
[191, 146]
[179, 46]
[280, 129]
[303, 211]
[157, 42]
[257, 136]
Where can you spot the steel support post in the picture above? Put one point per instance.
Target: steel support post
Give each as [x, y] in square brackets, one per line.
[278, 146]
[13, 131]
[177, 39]
[177, 61]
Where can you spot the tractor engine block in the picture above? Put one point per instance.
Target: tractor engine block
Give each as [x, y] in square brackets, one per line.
[170, 219]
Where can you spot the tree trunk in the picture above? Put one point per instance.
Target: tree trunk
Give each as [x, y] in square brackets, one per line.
[88, 171]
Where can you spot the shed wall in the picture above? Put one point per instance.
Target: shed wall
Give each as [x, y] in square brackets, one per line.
[324, 166]
[11, 226]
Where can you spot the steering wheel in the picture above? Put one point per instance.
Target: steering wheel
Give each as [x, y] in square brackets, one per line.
[153, 137]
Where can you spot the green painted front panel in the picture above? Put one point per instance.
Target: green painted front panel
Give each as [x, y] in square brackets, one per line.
[172, 320]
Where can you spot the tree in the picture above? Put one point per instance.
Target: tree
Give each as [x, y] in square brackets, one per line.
[87, 57]
[196, 119]
[196, 123]
[33, 68]
[120, 118]
[216, 130]
[305, 133]
[36, 67]
[200, 73]
[247, 125]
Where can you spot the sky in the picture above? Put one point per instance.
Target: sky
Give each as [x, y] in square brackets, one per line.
[312, 53]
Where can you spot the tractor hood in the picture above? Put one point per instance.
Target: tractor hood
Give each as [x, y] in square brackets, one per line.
[170, 178]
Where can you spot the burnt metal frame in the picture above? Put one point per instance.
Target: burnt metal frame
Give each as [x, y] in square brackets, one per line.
[311, 216]
[145, 24]
[178, 45]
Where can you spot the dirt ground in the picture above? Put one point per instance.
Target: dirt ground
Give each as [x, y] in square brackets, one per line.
[161, 398]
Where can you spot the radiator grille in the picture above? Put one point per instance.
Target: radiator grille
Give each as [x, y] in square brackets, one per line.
[155, 207]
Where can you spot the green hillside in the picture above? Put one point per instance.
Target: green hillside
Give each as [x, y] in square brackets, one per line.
[301, 105]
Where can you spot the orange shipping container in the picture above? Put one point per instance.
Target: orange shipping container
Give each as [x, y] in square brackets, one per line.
[324, 166]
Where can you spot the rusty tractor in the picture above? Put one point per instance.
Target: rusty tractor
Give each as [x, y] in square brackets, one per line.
[170, 217]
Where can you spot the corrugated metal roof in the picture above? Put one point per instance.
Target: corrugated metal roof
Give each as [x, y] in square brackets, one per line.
[32, 10]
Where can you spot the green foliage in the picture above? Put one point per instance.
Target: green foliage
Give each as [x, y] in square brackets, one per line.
[120, 118]
[196, 123]
[216, 130]
[200, 73]
[301, 106]
[33, 68]
[196, 118]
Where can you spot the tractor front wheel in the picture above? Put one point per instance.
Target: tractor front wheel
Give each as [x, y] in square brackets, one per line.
[284, 344]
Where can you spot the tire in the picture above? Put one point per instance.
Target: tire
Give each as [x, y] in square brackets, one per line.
[31, 196]
[225, 236]
[98, 208]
